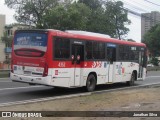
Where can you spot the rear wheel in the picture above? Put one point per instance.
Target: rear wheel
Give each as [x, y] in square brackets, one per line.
[91, 83]
[131, 82]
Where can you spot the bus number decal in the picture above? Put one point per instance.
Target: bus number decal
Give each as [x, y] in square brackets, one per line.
[62, 64]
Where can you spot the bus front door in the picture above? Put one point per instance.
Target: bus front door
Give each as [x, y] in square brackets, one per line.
[77, 62]
[141, 60]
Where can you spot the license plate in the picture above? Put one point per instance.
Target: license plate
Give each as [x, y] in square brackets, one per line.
[27, 72]
[15, 68]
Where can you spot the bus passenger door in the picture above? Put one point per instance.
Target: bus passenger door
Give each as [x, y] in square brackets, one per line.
[111, 56]
[141, 60]
[77, 62]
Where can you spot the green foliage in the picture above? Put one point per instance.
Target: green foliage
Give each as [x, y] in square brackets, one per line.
[7, 40]
[107, 17]
[131, 40]
[31, 12]
[117, 18]
[73, 16]
[92, 4]
[152, 40]
[155, 61]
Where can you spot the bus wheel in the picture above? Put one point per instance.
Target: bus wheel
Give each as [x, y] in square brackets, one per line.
[91, 83]
[131, 82]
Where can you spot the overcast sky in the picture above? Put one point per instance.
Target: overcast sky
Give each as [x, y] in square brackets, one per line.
[139, 6]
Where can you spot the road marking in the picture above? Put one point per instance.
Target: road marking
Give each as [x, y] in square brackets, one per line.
[5, 81]
[4, 78]
[45, 99]
[20, 88]
[152, 76]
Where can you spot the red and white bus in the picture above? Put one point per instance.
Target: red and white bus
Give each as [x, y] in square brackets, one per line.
[74, 59]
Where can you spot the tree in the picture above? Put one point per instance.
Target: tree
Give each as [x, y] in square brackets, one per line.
[31, 12]
[96, 20]
[118, 18]
[73, 17]
[92, 4]
[154, 61]
[152, 40]
[7, 40]
[108, 17]
[131, 40]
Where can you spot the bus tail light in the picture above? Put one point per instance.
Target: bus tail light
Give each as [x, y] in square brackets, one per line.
[45, 73]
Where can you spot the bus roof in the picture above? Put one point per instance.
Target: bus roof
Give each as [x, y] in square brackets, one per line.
[77, 35]
[98, 38]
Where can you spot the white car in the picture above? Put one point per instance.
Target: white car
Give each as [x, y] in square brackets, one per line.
[150, 65]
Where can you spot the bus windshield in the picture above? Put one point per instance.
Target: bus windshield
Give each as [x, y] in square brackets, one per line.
[30, 44]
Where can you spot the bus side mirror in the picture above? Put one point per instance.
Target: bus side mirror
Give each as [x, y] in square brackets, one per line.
[78, 59]
[72, 59]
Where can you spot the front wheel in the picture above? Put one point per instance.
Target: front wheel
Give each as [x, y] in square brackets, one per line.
[91, 83]
[131, 82]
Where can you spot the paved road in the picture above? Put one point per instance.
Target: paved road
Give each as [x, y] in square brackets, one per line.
[13, 91]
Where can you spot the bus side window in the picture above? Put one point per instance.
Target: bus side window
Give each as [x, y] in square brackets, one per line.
[111, 54]
[88, 51]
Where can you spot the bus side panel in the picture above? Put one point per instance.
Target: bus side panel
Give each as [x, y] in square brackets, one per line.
[111, 76]
[144, 73]
[123, 71]
[61, 77]
[101, 70]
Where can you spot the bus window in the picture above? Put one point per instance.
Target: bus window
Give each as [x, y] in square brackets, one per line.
[111, 54]
[62, 48]
[30, 44]
[88, 53]
[98, 50]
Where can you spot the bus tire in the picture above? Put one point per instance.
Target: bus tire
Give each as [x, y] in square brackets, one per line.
[91, 83]
[131, 82]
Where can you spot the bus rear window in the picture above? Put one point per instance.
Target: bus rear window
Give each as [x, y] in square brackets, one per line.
[30, 44]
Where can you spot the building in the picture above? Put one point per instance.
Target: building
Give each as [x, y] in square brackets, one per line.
[2, 25]
[10, 29]
[2, 45]
[148, 20]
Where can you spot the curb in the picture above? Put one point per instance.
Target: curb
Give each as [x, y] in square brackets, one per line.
[132, 87]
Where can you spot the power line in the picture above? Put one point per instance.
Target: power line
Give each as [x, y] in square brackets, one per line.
[137, 13]
[134, 6]
[133, 12]
[152, 2]
[146, 7]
